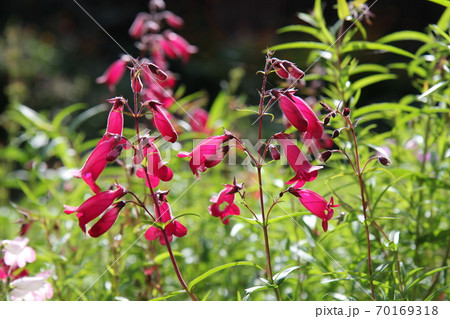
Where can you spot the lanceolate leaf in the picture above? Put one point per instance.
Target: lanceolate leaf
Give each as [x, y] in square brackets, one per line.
[343, 11]
[404, 36]
[371, 79]
[365, 45]
[170, 295]
[379, 107]
[301, 45]
[281, 276]
[305, 29]
[219, 268]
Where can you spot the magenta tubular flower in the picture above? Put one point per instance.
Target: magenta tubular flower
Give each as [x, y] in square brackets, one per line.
[95, 206]
[317, 205]
[156, 169]
[280, 70]
[107, 220]
[96, 162]
[137, 28]
[113, 74]
[173, 20]
[115, 117]
[304, 171]
[291, 111]
[225, 197]
[207, 154]
[299, 114]
[174, 228]
[198, 120]
[179, 46]
[161, 121]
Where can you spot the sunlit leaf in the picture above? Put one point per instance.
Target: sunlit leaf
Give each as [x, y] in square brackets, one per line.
[220, 268]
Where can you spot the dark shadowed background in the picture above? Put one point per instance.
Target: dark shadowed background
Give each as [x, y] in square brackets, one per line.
[51, 51]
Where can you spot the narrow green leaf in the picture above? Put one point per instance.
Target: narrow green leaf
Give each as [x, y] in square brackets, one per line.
[90, 112]
[307, 18]
[28, 193]
[304, 29]
[444, 20]
[369, 67]
[343, 11]
[281, 276]
[445, 3]
[251, 290]
[160, 257]
[170, 295]
[66, 112]
[287, 216]
[35, 118]
[365, 45]
[442, 33]
[217, 109]
[425, 275]
[219, 268]
[381, 107]
[318, 12]
[406, 35]
[300, 45]
[371, 79]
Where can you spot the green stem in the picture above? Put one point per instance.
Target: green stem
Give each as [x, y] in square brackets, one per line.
[158, 212]
[259, 165]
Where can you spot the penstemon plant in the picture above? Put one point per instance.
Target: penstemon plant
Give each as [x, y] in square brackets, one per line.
[339, 196]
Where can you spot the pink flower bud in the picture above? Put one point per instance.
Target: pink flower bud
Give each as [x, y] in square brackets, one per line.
[161, 121]
[173, 20]
[323, 157]
[280, 70]
[274, 153]
[384, 161]
[335, 134]
[346, 111]
[137, 28]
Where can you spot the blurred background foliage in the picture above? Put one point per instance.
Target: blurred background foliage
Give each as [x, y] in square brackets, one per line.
[51, 114]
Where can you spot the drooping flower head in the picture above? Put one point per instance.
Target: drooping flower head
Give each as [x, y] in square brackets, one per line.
[16, 253]
[304, 171]
[172, 226]
[97, 160]
[114, 73]
[94, 206]
[161, 121]
[223, 204]
[284, 69]
[155, 169]
[207, 153]
[316, 204]
[299, 113]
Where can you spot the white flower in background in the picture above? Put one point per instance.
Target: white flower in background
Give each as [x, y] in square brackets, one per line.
[16, 253]
[32, 288]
